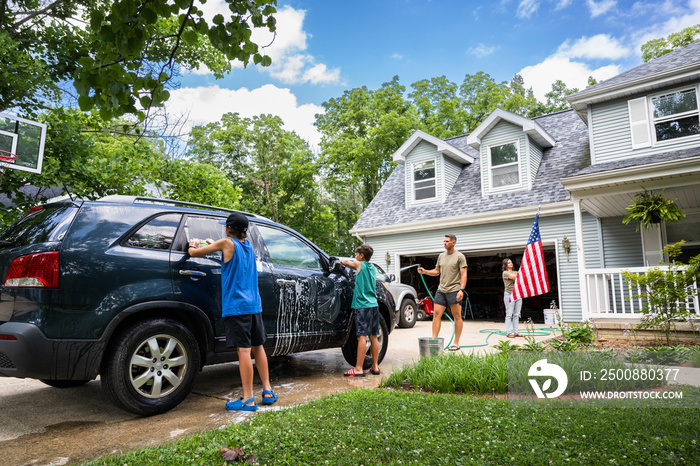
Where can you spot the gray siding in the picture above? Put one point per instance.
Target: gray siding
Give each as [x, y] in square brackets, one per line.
[622, 245]
[612, 139]
[535, 157]
[505, 235]
[503, 133]
[452, 171]
[592, 242]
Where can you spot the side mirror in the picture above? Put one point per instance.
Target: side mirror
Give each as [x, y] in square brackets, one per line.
[392, 277]
[335, 265]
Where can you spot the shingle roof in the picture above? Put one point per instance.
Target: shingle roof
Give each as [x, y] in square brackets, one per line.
[639, 161]
[570, 154]
[676, 59]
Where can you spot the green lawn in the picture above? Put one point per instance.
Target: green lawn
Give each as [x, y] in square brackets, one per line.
[393, 427]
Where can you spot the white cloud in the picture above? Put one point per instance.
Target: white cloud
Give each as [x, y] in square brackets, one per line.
[688, 16]
[595, 47]
[599, 8]
[575, 74]
[287, 48]
[526, 8]
[208, 104]
[482, 50]
[562, 4]
[397, 56]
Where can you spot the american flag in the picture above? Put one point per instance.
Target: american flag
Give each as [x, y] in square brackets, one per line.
[532, 278]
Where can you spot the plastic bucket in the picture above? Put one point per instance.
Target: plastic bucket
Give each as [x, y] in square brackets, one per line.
[549, 318]
[430, 346]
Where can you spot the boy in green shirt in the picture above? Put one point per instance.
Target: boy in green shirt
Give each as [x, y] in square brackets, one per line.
[364, 303]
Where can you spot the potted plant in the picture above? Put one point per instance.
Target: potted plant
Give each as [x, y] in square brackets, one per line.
[650, 207]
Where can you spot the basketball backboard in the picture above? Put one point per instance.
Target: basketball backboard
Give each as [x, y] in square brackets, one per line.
[23, 138]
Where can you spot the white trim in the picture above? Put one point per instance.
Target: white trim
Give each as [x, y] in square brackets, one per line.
[529, 127]
[427, 200]
[675, 116]
[645, 84]
[591, 139]
[672, 168]
[490, 167]
[443, 147]
[42, 142]
[503, 215]
[581, 259]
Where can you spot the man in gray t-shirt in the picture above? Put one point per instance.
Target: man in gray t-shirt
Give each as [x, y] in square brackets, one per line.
[452, 268]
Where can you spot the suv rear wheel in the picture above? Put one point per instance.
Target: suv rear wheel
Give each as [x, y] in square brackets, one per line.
[151, 367]
[350, 348]
[408, 313]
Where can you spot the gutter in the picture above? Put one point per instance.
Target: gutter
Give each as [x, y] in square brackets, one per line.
[558, 208]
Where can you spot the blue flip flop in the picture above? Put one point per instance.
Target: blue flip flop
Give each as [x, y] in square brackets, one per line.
[240, 405]
[270, 399]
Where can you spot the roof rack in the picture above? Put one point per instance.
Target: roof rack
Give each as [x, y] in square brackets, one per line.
[153, 200]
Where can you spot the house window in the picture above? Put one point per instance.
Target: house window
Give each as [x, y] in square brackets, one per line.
[505, 169]
[675, 114]
[424, 181]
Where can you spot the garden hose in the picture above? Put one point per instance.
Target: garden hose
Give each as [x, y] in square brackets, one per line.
[490, 331]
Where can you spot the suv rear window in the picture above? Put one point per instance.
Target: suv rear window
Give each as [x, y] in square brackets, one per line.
[45, 224]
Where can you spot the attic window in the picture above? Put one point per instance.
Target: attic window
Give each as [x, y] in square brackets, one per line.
[424, 181]
[505, 169]
[675, 114]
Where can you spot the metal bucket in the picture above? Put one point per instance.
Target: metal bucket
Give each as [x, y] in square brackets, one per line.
[430, 346]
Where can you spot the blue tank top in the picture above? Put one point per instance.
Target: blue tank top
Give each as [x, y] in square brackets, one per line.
[239, 282]
[365, 294]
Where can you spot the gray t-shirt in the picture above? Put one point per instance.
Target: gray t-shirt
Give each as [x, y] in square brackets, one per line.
[450, 266]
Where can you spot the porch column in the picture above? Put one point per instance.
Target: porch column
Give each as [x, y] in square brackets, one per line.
[581, 258]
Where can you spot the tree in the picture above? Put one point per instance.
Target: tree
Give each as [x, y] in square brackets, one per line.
[121, 56]
[556, 99]
[274, 169]
[656, 48]
[92, 158]
[439, 107]
[481, 96]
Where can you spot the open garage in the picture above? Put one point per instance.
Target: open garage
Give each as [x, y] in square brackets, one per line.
[484, 283]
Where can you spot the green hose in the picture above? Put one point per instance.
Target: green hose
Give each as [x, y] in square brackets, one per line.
[490, 331]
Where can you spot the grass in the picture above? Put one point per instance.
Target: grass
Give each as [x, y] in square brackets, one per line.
[390, 427]
[498, 373]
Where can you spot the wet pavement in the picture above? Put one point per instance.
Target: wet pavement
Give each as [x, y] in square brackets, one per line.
[42, 425]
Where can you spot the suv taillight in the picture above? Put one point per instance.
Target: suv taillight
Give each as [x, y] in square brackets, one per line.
[33, 271]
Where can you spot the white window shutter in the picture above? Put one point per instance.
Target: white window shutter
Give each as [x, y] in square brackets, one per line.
[639, 122]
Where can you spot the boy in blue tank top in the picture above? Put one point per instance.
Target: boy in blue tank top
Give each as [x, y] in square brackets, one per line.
[241, 307]
[364, 303]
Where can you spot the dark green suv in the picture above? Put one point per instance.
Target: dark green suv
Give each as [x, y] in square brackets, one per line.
[107, 288]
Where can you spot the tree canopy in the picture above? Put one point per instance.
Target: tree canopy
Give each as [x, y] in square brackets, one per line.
[120, 56]
[656, 48]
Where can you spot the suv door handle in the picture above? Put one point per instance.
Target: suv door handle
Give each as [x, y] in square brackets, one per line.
[193, 273]
[282, 282]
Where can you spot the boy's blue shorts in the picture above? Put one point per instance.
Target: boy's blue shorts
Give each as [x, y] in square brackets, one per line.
[367, 321]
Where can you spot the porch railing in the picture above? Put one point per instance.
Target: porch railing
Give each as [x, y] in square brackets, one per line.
[610, 295]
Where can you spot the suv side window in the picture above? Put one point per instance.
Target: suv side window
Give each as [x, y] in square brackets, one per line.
[288, 250]
[203, 228]
[156, 234]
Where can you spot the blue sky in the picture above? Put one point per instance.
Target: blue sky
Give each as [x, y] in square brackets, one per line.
[325, 47]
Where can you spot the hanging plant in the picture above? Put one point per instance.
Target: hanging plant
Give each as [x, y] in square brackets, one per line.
[650, 207]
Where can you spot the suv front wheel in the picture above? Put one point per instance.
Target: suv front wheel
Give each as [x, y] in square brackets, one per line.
[350, 347]
[151, 367]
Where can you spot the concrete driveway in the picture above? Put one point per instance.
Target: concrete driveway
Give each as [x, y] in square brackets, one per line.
[45, 425]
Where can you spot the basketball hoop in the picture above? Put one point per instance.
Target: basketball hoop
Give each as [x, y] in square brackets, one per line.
[7, 156]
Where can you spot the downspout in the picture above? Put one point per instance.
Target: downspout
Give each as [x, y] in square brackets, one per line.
[581, 258]
[359, 238]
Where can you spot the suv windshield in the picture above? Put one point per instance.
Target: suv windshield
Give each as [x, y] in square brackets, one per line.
[381, 274]
[47, 223]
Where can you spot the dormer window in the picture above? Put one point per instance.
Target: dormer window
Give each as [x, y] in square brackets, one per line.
[675, 115]
[424, 181]
[505, 166]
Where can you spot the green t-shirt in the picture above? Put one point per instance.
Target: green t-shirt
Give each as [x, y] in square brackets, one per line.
[365, 294]
[450, 266]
